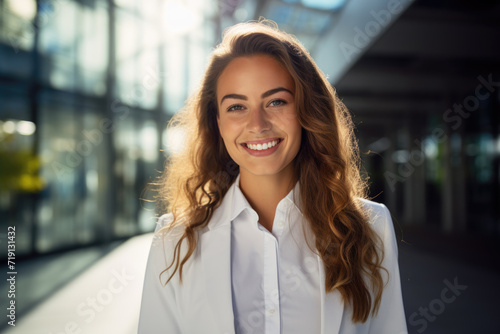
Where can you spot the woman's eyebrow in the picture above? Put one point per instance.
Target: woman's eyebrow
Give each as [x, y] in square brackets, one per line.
[274, 91]
[234, 96]
[264, 95]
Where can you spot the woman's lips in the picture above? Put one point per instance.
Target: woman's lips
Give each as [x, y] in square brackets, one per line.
[262, 141]
[262, 147]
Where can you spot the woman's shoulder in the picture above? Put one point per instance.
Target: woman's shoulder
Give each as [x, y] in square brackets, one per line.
[164, 221]
[380, 220]
[379, 216]
[375, 211]
[167, 230]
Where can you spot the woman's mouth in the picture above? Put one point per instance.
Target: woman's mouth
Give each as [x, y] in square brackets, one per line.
[263, 146]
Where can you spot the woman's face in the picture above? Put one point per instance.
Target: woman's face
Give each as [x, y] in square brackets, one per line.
[257, 115]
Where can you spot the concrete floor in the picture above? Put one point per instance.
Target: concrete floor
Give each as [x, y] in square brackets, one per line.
[432, 307]
[98, 291]
[104, 298]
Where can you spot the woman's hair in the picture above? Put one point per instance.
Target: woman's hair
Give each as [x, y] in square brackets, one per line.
[327, 165]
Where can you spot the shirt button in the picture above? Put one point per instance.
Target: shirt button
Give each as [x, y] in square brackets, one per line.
[271, 311]
[280, 224]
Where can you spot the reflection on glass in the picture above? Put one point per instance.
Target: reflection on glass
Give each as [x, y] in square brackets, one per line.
[16, 24]
[57, 39]
[149, 79]
[19, 179]
[127, 48]
[92, 49]
[149, 141]
[160, 51]
[176, 79]
[25, 9]
[481, 148]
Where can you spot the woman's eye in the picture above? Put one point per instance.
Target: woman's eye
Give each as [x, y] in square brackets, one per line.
[277, 103]
[235, 108]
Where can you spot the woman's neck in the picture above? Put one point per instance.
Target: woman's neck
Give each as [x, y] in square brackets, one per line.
[265, 192]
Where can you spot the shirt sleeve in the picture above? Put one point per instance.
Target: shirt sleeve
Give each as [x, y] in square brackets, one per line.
[391, 315]
[158, 313]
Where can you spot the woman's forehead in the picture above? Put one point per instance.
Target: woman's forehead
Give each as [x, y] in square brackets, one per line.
[256, 73]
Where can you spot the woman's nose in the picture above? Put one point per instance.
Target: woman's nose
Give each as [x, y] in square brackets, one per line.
[258, 120]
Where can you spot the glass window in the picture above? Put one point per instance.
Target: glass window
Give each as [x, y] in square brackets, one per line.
[14, 101]
[176, 73]
[73, 154]
[149, 79]
[19, 180]
[16, 24]
[137, 155]
[60, 197]
[58, 37]
[127, 48]
[92, 49]
[17, 35]
[130, 4]
[61, 166]
[200, 45]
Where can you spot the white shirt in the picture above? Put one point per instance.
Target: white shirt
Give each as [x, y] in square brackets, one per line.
[204, 302]
[274, 276]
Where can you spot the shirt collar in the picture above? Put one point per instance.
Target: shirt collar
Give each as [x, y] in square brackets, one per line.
[240, 203]
[234, 203]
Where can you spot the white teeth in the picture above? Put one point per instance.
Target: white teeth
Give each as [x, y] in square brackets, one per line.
[260, 147]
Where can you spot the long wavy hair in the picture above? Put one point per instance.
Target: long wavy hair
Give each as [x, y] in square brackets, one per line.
[327, 165]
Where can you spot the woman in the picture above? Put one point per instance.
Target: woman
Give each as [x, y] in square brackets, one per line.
[268, 231]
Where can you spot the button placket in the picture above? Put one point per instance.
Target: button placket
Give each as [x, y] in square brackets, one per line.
[280, 218]
[271, 285]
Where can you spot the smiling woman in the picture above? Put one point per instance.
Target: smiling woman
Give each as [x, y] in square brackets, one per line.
[260, 129]
[267, 229]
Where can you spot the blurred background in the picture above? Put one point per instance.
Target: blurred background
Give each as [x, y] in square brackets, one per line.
[88, 86]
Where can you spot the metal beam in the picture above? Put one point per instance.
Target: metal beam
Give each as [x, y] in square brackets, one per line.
[360, 24]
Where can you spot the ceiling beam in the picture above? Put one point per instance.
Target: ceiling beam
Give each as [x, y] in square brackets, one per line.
[360, 23]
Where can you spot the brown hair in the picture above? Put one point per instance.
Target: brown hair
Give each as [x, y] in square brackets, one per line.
[327, 164]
